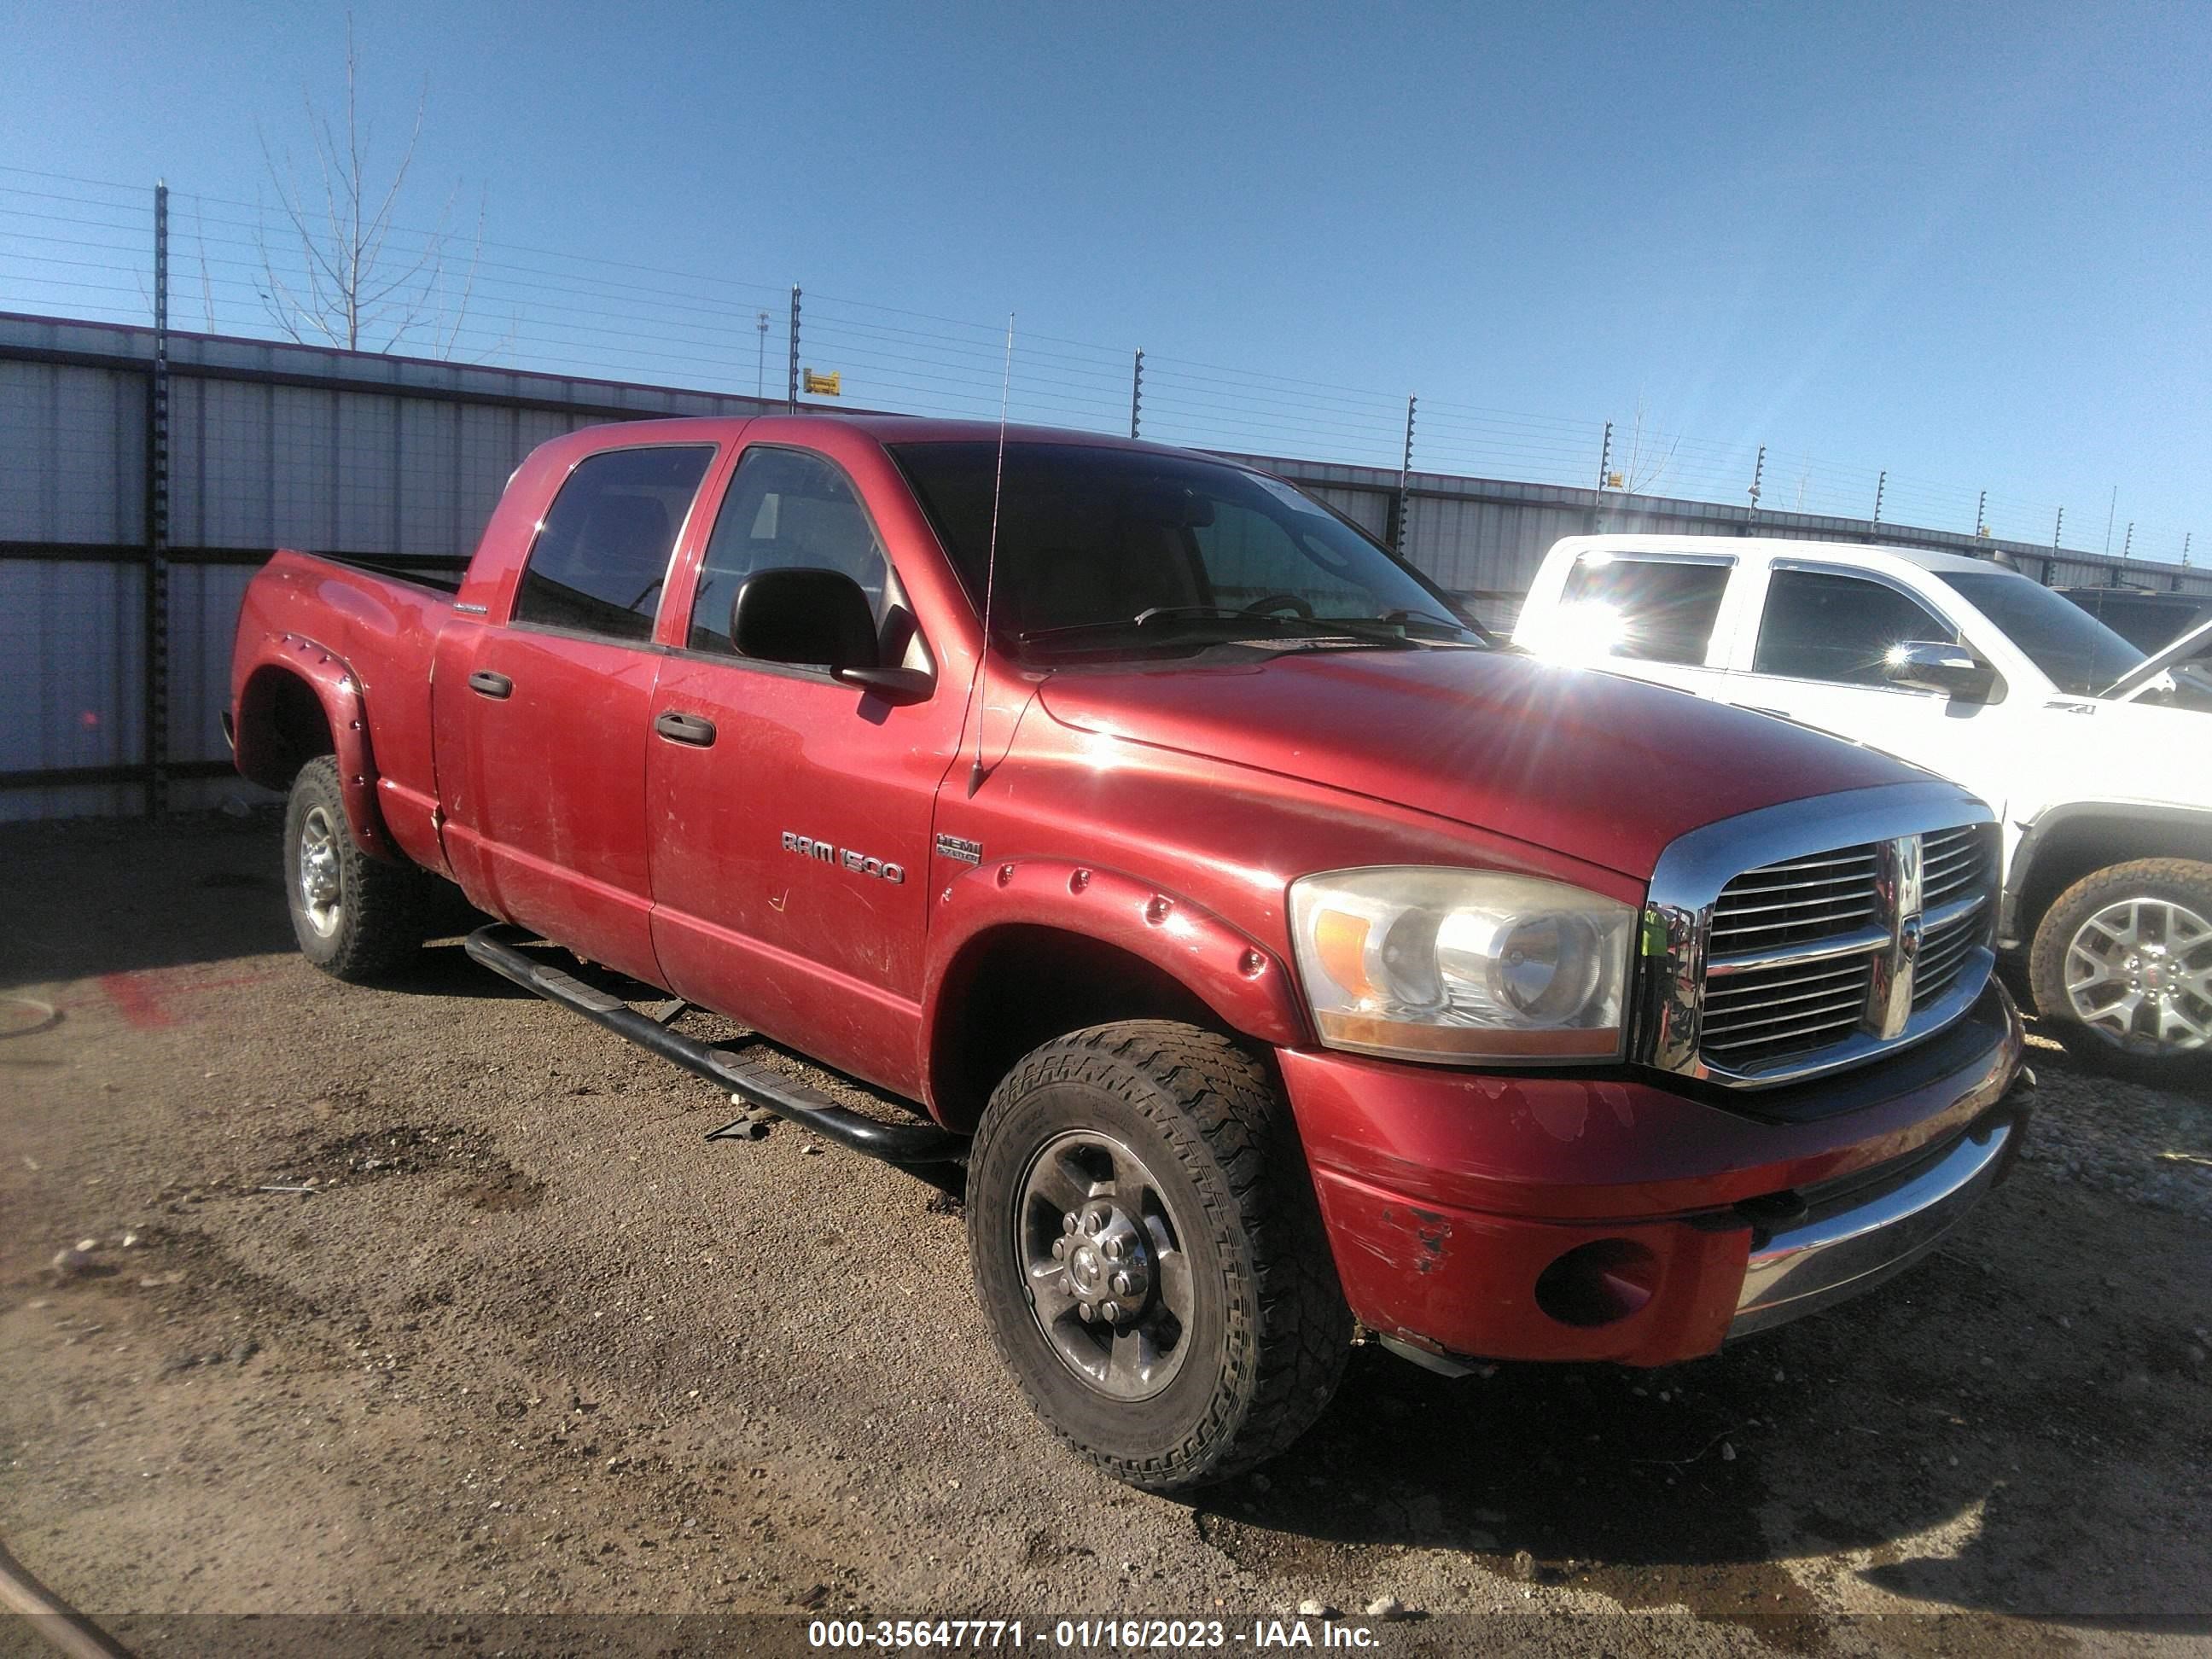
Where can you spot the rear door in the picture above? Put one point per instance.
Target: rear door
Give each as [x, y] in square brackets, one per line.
[1654, 616]
[550, 708]
[791, 814]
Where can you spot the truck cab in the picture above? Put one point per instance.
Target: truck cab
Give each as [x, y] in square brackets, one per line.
[2095, 755]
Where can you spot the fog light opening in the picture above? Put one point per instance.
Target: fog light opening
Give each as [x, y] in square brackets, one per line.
[1598, 1283]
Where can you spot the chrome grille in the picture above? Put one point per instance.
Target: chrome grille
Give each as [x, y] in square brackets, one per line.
[1811, 960]
[1760, 1016]
[1954, 864]
[1945, 951]
[1796, 902]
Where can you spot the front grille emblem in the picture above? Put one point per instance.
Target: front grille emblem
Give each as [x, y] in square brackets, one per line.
[1897, 894]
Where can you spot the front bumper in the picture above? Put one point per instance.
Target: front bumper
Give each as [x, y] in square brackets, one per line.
[1536, 1217]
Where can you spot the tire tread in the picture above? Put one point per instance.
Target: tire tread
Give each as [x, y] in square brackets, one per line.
[1215, 1104]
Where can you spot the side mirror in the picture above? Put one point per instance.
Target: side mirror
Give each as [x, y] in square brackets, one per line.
[817, 618]
[1952, 670]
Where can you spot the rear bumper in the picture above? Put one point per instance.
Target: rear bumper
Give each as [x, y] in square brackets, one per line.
[1532, 1217]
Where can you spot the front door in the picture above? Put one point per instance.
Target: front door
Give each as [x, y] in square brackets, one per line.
[791, 814]
[549, 709]
[1822, 635]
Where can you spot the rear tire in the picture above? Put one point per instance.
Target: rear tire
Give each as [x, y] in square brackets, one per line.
[356, 918]
[1216, 1333]
[2122, 963]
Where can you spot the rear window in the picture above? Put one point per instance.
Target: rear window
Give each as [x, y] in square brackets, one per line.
[1650, 609]
[602, 554]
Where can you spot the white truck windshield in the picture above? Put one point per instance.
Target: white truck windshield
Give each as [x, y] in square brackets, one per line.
[2079, 653]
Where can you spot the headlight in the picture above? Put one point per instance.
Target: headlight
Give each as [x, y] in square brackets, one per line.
[1462, 965]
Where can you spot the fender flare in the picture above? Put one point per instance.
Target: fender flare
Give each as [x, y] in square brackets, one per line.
[337, 689]
[2032, 838]
[1250, 987]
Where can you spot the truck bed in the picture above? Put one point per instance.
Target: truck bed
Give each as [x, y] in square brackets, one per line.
[440, 572]
[380, 615]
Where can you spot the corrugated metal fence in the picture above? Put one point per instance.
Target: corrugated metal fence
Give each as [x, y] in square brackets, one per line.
[277, 445]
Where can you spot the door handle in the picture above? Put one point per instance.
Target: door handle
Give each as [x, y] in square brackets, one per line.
[485, 684]
[685, 728]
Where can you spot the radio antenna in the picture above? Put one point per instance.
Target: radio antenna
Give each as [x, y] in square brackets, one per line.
[991, 566]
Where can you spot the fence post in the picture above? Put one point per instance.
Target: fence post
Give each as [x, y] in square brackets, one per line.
[2056, 530]
[1980, 507]
[1137, 392]
[1880, 485]
[1757, 476]
[1404, 477]
[157, 523]
[790, 383]
[2128, 546]
[1605, 457]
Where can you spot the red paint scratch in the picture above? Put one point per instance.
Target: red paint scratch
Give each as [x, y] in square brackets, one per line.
[137, 1000]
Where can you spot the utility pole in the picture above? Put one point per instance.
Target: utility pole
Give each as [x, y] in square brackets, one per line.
[791, 386]
[1137, 392]
[760, 363]
[157, 523]
[1404, 477]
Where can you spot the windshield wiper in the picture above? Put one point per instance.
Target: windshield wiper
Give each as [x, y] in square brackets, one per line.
[1406, 621]
[1245, 621]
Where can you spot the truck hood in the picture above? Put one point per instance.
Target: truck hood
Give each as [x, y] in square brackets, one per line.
[1602, 768]
[2138, 679]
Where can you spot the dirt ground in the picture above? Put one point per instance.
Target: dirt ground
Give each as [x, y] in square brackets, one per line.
[533, 1346]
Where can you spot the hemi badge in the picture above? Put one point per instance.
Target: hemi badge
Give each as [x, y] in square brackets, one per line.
[961, 849]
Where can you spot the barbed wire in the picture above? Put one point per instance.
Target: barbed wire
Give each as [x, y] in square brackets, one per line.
[83, 244]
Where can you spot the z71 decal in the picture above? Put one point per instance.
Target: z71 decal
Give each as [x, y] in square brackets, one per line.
[843, 857]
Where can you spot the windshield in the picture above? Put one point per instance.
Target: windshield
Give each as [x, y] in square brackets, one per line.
[1117, 551]
[2079, 653]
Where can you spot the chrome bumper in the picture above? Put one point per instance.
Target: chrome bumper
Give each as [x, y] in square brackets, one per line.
[1855, 1240]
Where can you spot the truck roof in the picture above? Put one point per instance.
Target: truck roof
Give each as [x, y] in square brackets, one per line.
[885, 429]
[1784, 547]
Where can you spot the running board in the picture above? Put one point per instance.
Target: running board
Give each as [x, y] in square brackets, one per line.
[499, 947]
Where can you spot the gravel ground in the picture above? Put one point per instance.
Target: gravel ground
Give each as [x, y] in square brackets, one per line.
[531, 1346]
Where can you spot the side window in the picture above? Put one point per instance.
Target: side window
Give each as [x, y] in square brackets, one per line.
[1650, 609]
[1823, 626]
[602, 553]
[785, 508]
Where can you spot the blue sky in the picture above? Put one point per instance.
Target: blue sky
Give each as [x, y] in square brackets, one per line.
[1967, 244]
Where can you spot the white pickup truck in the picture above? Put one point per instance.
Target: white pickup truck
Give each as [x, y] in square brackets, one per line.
[2096, 758]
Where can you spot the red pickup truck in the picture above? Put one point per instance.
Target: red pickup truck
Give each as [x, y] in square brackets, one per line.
[1275, 949]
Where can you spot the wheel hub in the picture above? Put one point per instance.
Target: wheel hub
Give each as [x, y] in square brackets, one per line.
[1108, 1266]
[321, 881]
[1109, 1283]
[2139, 973]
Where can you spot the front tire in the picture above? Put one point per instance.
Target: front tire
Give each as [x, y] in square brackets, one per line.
[356, 918]
[2123, 961]
[1150, 1256]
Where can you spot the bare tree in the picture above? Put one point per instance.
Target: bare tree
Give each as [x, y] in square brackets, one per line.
[1647, 461]
[352, 283]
